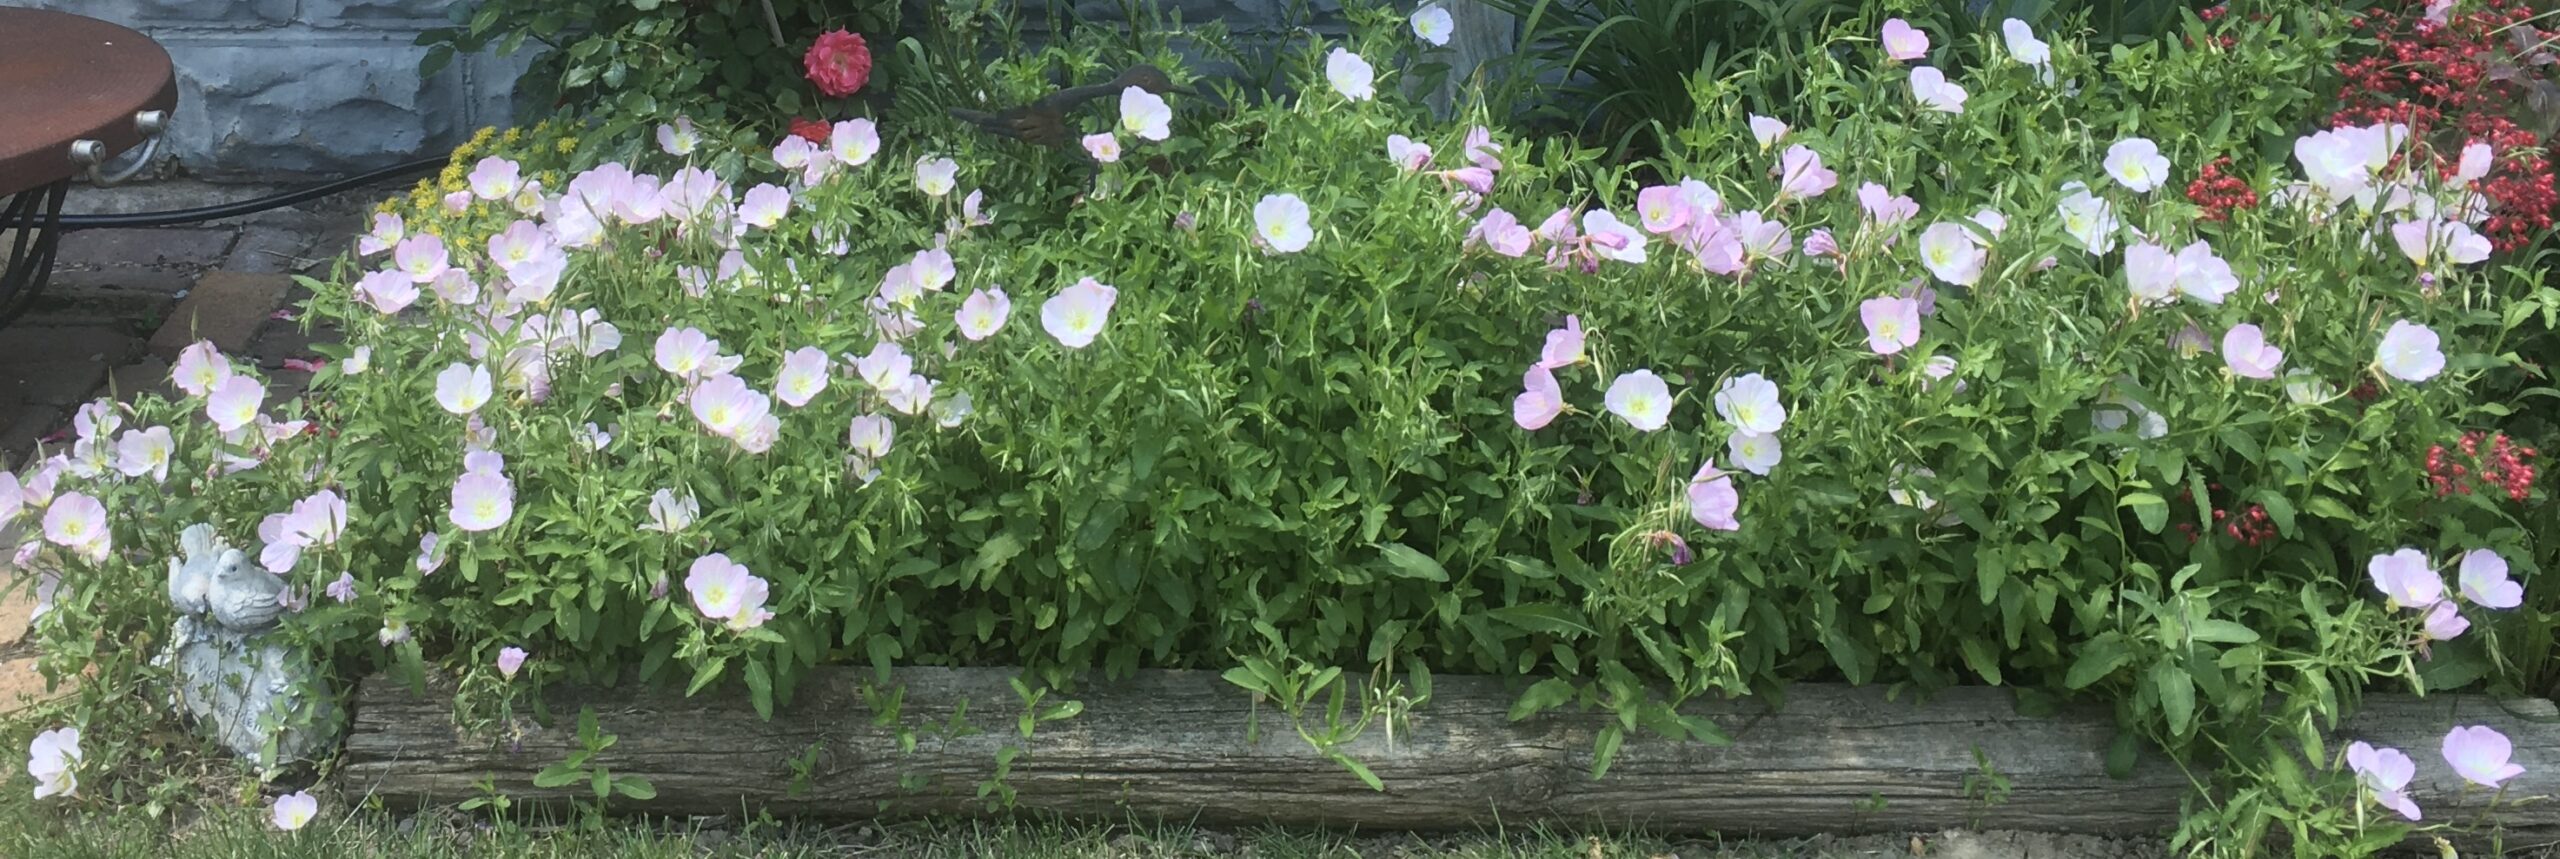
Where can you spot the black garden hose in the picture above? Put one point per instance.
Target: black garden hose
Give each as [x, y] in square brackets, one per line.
[69, 223]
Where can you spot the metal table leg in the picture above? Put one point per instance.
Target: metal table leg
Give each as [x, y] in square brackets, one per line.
[31, 248]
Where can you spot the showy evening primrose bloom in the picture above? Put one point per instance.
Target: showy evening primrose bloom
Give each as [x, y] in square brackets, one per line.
[2405, 577]
[1350, 75]
[293, 810]
[1754, 452]
[234, 402]
[2384, 774]
[2481, 755]
[983, 313]
[1540, 401]
[53, 759]
[1893, 324]
[1104, 147]
[803, 376]
[2484, 581]
[1641, 399]
[2088, 219]
[1280, 223]
[670, 513]
[1075, 315]
[1564, 345]
[482, 501]
[1932, 90]
[1750, 403]
[496, 178]
[2444, 622]
[1713, 501]
[853, 142]
[2137, 164]
[679, 139]
[1802, 176]
[421, 257]
[1767, 131]
[871, 436]
[936, 176]
[2409, 352]
[1952, 253]
[1144, 115]
[2246, 352]
[1432, 24]
[1903, 42]
[764, 206]
[510, 660]
[146, 451]
[463, 388]
[1502, 233]
[1404, 152]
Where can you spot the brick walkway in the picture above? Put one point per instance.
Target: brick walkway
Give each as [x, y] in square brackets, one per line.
[122, 303]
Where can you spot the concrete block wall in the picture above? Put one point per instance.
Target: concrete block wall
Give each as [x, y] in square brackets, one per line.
[283, 89]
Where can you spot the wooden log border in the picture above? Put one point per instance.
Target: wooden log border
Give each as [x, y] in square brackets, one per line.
[1175, 745]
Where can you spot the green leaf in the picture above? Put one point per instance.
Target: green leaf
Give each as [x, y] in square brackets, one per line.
[1545, 695]
[1359, 769]
[557, 775]
[635, 788]
[705, 673]
[2100, 657]
[760, 688]
[2222, 632]
[1604, 749]
[2123, 754]
[1405, 561]
[2177, 695]
[2152, 510]
[1542, 617]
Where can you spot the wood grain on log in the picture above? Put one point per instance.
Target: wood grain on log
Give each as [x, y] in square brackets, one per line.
[1176, 745]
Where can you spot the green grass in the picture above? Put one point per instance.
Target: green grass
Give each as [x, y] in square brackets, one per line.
[32, 831]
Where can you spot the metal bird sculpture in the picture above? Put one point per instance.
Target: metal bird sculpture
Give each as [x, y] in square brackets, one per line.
[1043, 122]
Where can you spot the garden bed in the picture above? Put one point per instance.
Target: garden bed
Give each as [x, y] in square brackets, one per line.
[1933, 383]
[1188, 746]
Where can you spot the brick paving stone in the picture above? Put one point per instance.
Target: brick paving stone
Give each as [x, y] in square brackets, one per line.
[118, 285]
[166, 246]
[22, 423]
[284, 338]
[55, 383]
[227, 308]
[31, 341]
[271, 250]
[148, 374]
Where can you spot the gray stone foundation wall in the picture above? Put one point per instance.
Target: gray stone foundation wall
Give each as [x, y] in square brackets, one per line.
[284, 89]
[287, 90]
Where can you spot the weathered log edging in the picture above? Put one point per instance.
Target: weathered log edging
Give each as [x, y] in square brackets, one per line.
[1174, 745]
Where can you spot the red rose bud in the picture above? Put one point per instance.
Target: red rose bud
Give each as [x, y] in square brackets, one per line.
[812, 130]
[839, 63]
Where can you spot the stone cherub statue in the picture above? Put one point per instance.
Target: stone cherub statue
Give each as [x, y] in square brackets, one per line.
[230, 675]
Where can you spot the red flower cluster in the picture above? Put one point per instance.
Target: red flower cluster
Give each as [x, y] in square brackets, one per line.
[839, 63]
[2455, 81]
[2220, 193]
[2504, 467]
[2251, 528]
[812, 130]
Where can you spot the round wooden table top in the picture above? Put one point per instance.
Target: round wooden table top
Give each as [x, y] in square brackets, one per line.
[64, 77]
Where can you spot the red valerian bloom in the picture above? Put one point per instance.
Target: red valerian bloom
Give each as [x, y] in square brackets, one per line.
[839, 63]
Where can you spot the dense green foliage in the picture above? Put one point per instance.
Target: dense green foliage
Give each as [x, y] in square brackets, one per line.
[1297, 463]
